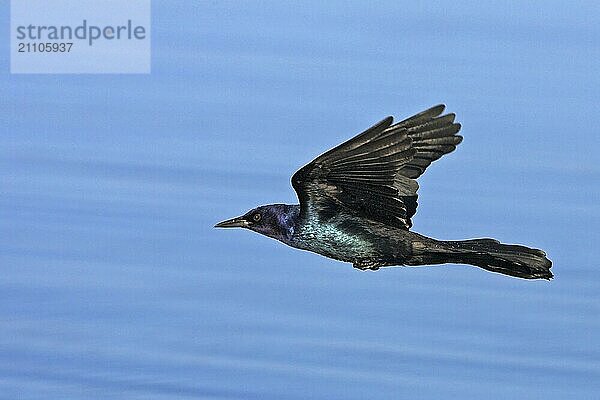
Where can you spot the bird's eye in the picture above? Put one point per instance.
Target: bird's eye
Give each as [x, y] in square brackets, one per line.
[256, 217]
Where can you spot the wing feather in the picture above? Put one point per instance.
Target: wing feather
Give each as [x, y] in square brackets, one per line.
[373, 174]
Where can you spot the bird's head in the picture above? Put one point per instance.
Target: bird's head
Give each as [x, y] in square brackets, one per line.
[274, 220]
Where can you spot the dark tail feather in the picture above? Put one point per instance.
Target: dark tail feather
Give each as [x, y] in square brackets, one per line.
[491, 255]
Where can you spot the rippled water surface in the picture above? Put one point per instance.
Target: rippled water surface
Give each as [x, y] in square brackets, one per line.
[113, 283]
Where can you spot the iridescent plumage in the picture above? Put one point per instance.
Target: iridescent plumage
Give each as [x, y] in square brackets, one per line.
[357, 201]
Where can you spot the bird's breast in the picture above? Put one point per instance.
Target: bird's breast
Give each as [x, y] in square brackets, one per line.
[335, 240]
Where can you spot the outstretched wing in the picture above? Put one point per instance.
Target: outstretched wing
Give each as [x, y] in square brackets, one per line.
[373, 173]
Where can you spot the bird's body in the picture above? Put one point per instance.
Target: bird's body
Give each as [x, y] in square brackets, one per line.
[357, 200]
[345, 238]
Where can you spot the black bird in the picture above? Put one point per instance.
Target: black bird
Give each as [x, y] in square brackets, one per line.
[357, 199]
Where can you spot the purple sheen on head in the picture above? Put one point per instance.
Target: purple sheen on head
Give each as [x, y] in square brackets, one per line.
[276, 220]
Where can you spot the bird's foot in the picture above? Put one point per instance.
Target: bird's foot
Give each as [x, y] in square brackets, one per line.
[365, 265]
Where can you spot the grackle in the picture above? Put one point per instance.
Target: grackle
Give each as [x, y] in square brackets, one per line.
[357, 201]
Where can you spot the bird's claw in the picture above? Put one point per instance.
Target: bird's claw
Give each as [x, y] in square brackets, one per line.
[366, 265]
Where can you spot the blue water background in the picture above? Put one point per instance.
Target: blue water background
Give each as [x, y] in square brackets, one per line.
[114, 285]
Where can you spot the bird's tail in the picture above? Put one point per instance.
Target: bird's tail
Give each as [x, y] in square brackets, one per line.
[491, 255]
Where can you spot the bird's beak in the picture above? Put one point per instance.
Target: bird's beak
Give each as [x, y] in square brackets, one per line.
[238, 222]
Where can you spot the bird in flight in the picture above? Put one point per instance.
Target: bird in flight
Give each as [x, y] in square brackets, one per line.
[357, 201]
